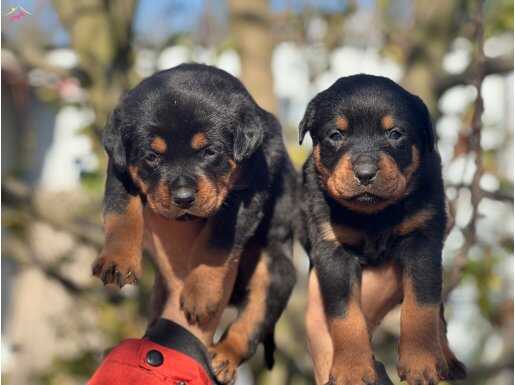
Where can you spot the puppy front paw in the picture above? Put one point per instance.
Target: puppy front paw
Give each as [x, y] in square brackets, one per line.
[117, 269]
[224, 362]
[353, 371]
[199, 300]
[422, 368]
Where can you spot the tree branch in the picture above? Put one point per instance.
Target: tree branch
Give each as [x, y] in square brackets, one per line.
[460, 260]
[500, 65]
[19, 195]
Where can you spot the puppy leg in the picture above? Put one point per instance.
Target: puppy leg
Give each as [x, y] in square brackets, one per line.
[381, 291]
[339, 275]
[209, 285]
[319, 340]
[268, 291]
[120, 259]
[421, 358]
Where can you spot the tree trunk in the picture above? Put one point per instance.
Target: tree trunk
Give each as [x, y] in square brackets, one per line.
[101, 35]
[251, 29]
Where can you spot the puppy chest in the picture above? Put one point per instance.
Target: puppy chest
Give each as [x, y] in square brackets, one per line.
[372, 248]
[171, 243]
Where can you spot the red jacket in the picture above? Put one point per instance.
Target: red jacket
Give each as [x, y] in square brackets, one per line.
[167, 354]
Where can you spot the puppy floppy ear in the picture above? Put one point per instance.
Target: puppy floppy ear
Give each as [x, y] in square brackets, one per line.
[427, 126]
[248, 135]
[308, 120]
[113, 142]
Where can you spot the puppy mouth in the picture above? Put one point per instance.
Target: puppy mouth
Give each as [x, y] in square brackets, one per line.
[186, 217]
[182, 215]
[367, 198]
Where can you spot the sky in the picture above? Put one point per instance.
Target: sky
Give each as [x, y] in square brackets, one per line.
[155, 20]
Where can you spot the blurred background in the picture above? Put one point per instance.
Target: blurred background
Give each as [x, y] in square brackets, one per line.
[65, 64]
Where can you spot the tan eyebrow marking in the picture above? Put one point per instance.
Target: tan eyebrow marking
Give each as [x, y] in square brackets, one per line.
[342, 122]
[198, 140]
[387, 122]
[159, 145]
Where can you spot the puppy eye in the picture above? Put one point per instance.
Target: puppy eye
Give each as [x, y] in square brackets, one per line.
[209, 152]
[336, 136]
[395, 134]
[151, 158]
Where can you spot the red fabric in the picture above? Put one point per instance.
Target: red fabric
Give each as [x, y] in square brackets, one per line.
[126, 365]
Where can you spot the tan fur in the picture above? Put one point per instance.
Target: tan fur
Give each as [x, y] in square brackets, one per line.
[174, 246]
[415, 163]
[387, 122]
[322, 170]
[344, 234]
[231, 351]
[414, 222]
[319, 340]
[160, 199]
[420, 352]
[211, 194]
[159, 145]
[123, 240]
[341, 182]
[133, 171]
[348, 236]
[342, 123]
[210, 280]
[206, 199]
[198, 141]
[353, 357]
[327, 231]
[381, 291]
[227, 181]
[391, 184]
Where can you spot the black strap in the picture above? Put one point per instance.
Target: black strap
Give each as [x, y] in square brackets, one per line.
[174, 336]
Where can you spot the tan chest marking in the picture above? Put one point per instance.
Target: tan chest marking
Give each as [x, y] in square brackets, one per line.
[343, 234]
[414, 222]
[170, 243]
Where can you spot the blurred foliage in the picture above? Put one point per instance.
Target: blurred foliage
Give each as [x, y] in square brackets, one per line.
[499, 17]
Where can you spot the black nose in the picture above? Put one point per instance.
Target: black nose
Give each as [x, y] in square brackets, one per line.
[365, 172]
[184, 197]
[183, 192]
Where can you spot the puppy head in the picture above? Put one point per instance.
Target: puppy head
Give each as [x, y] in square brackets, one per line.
[370, 137]
[181, 136]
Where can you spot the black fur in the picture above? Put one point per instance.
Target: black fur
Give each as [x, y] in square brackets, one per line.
[176, 104]
[365, 100]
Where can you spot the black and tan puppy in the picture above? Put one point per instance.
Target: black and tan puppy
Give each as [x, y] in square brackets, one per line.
[374, 207]
[198, 174]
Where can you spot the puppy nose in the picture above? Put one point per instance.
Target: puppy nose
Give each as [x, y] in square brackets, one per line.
[365, 172]
[183, 192]
[184, 197]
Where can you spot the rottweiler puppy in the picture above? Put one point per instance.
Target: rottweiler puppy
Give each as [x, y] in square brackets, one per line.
[199, 175]
[374, 210]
